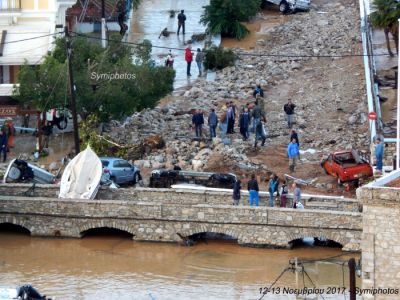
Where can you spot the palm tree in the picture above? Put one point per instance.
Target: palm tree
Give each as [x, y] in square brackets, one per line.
[385, 16]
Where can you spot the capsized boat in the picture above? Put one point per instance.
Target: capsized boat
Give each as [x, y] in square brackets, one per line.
[81, 177]
[19, 170]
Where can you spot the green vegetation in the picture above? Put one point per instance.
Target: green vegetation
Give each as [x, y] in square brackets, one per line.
[385, 16]
[225, 16]
[110, 83]
[219, 58]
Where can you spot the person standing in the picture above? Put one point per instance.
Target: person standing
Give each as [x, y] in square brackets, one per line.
[10, 132]
[284, 193]
[297, 196]
[292, 152]
[223, 125]
[258, 91]
[212, 123]
[181, 22]
[244, 123]
[189, 59]
[199, 60]
[198, 121]
[231, 118]
[379, 149]
[169, 62]
[3, 143]
[272, 188]
[295, 136]
[252, 187]
[25, 123]
[47, 131]
[236, 192]
[257, 114]
[289, 110]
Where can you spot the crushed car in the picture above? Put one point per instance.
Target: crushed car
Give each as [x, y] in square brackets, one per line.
[167, 178]
[347, 166]
[289, 6]
[20, 171]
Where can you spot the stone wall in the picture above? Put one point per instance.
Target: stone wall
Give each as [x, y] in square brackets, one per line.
[153, 221]
[380, 239]
[185, 197]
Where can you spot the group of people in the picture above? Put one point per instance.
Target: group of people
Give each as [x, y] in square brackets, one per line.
[273, 190]
[7, 132]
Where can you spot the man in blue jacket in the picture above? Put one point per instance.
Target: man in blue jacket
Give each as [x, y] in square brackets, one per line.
[379, 154]
[212, 123]
[293, 153]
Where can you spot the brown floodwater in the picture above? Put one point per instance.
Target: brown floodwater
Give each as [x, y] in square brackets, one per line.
[115, 267]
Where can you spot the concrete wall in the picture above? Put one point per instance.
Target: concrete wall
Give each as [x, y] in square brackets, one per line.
[176, 196]
[380, 238]
[154, 221]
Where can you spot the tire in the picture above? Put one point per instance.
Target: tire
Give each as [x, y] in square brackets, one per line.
[136, 178]
[62, 122]
[283, 7]
[112, 178]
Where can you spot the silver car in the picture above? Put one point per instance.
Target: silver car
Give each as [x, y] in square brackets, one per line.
[286, 6]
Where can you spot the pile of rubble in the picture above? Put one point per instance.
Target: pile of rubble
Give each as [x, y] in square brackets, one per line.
[328, 91]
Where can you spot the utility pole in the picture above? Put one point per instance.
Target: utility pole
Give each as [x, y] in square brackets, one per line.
[103, 24]
[352, 272]
[72, 90]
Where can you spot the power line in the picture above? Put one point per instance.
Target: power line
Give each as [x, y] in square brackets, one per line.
[32, 38]
[275, 281]
[243, 53]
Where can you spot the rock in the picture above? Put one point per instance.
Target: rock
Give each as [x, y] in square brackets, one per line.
[54, 166]
[197, 164]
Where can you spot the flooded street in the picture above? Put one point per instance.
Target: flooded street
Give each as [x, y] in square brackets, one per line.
[153, 16]
[115, 267]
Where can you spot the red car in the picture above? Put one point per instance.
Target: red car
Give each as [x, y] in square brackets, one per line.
[347, 166]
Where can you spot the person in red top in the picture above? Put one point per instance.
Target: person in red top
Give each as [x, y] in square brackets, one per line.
[188, 58]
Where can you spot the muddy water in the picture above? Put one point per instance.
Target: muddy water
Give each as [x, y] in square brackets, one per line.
[115, 267]
[153, 16]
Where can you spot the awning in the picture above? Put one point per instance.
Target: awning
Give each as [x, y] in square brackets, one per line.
[22, 43]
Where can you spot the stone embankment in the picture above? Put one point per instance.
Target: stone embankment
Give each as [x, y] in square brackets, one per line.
[302, 59]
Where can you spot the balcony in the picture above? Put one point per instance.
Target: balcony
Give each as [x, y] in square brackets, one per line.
[10, 6]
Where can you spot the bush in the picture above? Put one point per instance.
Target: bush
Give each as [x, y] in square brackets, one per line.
[225, 16]
[219, 58]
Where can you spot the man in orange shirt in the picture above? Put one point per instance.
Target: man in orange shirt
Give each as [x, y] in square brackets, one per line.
[189, 59]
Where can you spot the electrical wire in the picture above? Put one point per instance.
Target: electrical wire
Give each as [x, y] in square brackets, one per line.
[276, 280]
[242, 53]
[29, 39]
[309, 278]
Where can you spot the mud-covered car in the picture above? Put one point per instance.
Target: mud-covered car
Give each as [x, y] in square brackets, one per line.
[286, 6]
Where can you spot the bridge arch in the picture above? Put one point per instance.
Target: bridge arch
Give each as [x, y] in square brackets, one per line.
[333, 236]
[204, 228]
[15, 221]
[105, 224]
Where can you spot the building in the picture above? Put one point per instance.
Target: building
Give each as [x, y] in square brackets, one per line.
[381, 237]
[27, 33]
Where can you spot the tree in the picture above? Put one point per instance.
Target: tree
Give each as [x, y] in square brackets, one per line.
[225, 16]
[109, 82]
[385, 16]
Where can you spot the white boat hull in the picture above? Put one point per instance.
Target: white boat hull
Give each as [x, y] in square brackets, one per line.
[81, 177]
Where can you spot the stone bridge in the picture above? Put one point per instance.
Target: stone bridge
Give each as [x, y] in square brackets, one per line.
[149, 220]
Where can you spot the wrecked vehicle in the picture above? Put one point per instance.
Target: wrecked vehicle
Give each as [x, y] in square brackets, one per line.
[289, 6]
[24, 292]
[21, 171]
[347, 166]
[167, 178]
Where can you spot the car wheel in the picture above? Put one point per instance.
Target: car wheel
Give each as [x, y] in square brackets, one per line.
[112, 178]
[283, 7]
[136, 178]
[62, 123]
